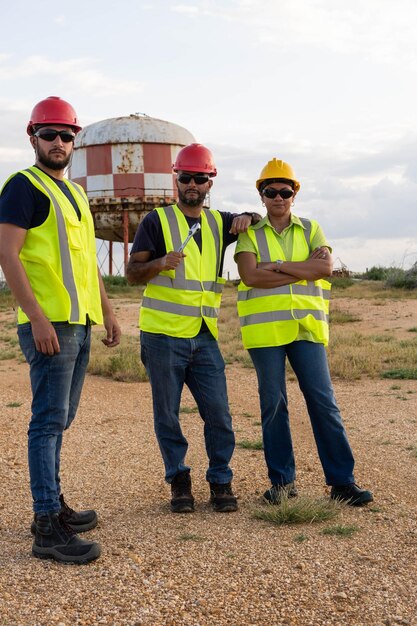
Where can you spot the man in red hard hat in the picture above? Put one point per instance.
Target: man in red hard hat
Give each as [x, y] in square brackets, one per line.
[48, 255]
[178, 322]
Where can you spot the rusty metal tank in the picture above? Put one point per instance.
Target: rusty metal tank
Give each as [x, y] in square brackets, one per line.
[125, 167]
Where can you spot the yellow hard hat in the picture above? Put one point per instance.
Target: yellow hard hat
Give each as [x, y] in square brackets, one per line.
[277, 169]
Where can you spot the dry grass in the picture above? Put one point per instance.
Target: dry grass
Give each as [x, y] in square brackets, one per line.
[120, 363]
[300, 510]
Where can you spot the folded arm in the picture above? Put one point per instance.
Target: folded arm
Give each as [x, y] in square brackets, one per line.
[268, 274]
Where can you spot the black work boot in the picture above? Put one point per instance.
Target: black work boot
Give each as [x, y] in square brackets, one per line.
[222, 498]
[182, 500]
[79, 521]
[54, 539]
[351, 494]
[277, 493]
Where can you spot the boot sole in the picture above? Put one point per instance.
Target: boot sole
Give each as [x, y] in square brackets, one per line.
[226, 508]
[77, 528]
[52, 553]
[352, 501]
[182, 509]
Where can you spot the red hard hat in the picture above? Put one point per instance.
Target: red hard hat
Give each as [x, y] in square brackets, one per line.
[195, 158]
[53, 110]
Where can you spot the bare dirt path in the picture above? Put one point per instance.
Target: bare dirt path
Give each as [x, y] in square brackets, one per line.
[210, 569]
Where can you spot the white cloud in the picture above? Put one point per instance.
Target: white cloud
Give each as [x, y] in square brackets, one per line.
[75, 74]
[184, 8]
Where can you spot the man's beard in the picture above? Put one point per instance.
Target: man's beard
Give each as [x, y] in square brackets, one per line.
[51, 163]
[192, 200]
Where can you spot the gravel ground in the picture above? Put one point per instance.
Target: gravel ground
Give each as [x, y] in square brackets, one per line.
[206, 568]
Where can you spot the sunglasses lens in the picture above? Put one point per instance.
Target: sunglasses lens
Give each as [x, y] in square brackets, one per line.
[66, 136]
[271, 193]
[199, 179]
[50, 135]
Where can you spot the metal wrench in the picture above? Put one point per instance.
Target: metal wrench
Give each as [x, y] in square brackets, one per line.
[194, 228]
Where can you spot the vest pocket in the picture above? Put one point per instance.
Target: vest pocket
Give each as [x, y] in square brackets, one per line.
[74, 235]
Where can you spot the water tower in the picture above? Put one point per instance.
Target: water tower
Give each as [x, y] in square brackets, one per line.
[125, 166]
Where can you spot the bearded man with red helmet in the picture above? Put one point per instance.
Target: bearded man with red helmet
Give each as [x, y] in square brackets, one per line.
[48, 256]
[178, 322]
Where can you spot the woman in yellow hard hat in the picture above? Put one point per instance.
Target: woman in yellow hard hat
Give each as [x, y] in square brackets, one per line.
[283, 305]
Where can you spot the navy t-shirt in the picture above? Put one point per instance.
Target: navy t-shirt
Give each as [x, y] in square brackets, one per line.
[22, 204]
[149, 236]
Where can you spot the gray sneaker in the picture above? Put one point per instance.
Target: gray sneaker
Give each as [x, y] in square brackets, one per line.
[276, 493]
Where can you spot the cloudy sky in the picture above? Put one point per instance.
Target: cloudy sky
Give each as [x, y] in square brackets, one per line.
[329, 86]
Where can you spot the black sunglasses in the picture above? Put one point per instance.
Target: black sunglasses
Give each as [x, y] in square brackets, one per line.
[199, 179]
[50, 135]
[271, 193]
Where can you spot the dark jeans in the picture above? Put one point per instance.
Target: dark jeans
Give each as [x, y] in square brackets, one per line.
[56, 388]
[172, 362]
[309, 362]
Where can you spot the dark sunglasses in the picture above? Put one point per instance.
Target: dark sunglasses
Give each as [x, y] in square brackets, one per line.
[50, 135]
[199, 179]
[271, 193]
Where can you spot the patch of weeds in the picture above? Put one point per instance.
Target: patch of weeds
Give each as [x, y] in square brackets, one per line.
[13, 405]
[121, 363]
[245, 414]
[5, 356]
[412, 330]
[395, 387]
[340, 531]
[382, 338]
[190, 537]
[342, 317]
[413, 450]
[299, 510]
[188, 409]
[300, 538]
[400, 374]
[374, 509]
[248, 444]
[386, 442]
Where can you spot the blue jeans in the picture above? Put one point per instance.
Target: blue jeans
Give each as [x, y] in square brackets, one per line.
[309, 362]
[56, 383]
[170, 362]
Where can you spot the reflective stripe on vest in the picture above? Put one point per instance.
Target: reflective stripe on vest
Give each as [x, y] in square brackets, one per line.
[282, 316]
[67, 272]
[310, 289]
[179, 309]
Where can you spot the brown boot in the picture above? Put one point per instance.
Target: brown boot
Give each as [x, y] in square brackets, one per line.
[182, 499]
[222, 498]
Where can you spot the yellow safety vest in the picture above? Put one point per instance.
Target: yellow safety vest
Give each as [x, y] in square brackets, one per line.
[59, 256]
[272, 317]
[175, 301]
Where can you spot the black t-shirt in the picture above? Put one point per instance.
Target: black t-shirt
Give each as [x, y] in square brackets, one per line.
[22, 204]
[149, 236]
